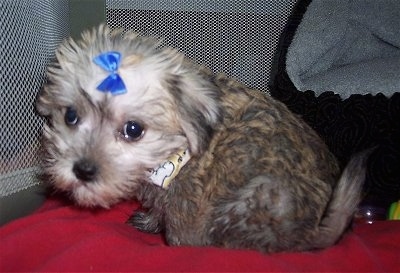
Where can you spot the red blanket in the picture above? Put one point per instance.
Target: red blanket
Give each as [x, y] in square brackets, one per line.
[60, 237]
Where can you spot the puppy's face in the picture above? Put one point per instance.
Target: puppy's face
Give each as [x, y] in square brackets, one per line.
[98, 146]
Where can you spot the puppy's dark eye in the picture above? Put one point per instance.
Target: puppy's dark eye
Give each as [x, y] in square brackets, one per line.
[71, 116]
[132, 130]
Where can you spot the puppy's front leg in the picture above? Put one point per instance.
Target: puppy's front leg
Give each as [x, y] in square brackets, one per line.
[150, 221]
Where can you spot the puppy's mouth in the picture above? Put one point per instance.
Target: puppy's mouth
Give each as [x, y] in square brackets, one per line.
[87, 188]
[85, 170]
[84, 175]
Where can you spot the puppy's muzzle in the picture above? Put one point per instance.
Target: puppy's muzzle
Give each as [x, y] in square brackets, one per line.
[85, 170]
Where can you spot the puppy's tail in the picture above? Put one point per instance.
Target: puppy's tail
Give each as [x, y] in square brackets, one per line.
[345, 199]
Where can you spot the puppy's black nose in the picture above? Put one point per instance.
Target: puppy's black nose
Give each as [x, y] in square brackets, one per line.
[85, 170]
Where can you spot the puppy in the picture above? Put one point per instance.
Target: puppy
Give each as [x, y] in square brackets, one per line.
[213, 162]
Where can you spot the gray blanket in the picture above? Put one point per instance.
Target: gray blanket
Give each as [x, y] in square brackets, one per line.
[347, 46]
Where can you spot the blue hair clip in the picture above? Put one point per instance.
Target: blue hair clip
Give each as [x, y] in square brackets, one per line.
[110, 62]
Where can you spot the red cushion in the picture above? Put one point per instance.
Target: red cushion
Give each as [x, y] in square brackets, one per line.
[60, 237]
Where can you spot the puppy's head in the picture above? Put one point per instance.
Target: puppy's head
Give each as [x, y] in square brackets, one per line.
[98, 146]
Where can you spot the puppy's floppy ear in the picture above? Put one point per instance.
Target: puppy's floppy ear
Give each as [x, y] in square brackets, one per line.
[56, 71]
[197, 100]
[42, 103]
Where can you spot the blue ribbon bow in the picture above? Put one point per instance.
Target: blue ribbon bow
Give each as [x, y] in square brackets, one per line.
[110, 62]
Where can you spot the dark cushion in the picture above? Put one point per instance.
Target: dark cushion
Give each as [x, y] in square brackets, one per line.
[347, 125]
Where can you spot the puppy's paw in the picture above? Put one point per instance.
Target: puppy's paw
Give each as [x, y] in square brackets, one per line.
[145, 222]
